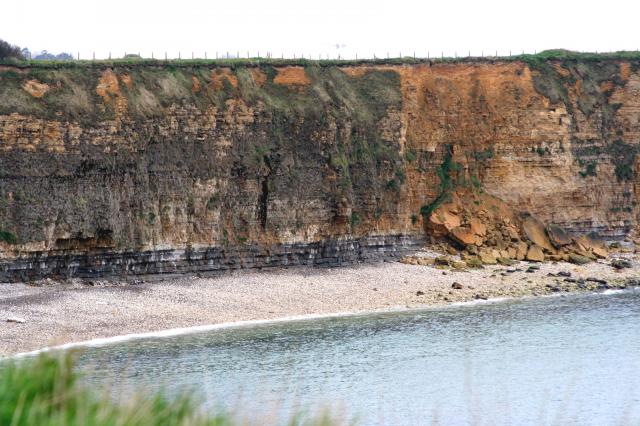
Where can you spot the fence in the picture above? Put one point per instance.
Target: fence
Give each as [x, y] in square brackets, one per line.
[338, 56]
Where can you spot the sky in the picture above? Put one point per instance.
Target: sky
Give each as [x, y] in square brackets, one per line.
[322, 27]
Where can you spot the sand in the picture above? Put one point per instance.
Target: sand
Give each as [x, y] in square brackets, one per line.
[57, 313]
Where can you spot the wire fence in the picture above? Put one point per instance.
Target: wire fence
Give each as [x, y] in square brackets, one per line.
[333, 56]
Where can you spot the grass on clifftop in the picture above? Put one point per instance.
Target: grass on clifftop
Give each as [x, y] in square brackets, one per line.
[45, 391]
[546, 55]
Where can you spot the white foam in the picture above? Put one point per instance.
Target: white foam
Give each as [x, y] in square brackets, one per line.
[612, 291]
[172, 332]
[199, 329]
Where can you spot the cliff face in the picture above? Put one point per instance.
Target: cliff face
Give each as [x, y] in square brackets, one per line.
[104, 161]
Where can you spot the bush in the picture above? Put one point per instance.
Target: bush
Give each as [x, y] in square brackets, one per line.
[8, 51]
[8, 237]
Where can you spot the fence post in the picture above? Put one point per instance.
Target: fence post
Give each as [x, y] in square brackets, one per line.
[192, 56]
[179, 55]
[109, 55]
[94, 56]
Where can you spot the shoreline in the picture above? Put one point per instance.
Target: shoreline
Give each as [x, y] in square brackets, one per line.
[73, 314]
[182, 331]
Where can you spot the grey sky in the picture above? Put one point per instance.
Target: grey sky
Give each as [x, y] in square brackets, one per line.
[312, 28]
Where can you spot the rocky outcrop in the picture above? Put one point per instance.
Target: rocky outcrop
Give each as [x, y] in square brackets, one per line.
[488, 231]
[110, 160]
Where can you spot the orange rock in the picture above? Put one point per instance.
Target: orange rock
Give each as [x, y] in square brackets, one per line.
[488, 257]
[521, 250]
[535, 253]
[600, 252]
[588, 244]
[292, 76]
[535, 231]
[443, 221]
[512, 232]
[35, 88]
[465, 236]
[558, 236]
[477, 227]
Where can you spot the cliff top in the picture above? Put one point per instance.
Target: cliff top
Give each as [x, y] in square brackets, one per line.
[547, 55]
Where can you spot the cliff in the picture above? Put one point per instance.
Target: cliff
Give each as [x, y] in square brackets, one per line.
[164, 168]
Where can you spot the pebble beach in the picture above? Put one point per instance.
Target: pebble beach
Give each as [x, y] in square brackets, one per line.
[50, 313]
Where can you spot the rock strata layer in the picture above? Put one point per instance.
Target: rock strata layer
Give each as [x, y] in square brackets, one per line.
[101, 161]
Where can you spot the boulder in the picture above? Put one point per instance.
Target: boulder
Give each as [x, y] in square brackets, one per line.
[521, 250]
[442, 261]
[600, 252]
[457, 286]
[620, 263]
[458, 265]
[465, 236]
[535, 253]
[474, 262]
[505, 261]
[578, 259]
[488, 257]
[425, 261]
[442, 221]
[589, 244]
[408, 260]
[477, 227]
[536, 233]
[558, 236]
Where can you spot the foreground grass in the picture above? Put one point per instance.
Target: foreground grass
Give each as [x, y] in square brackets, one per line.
[46, 391]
